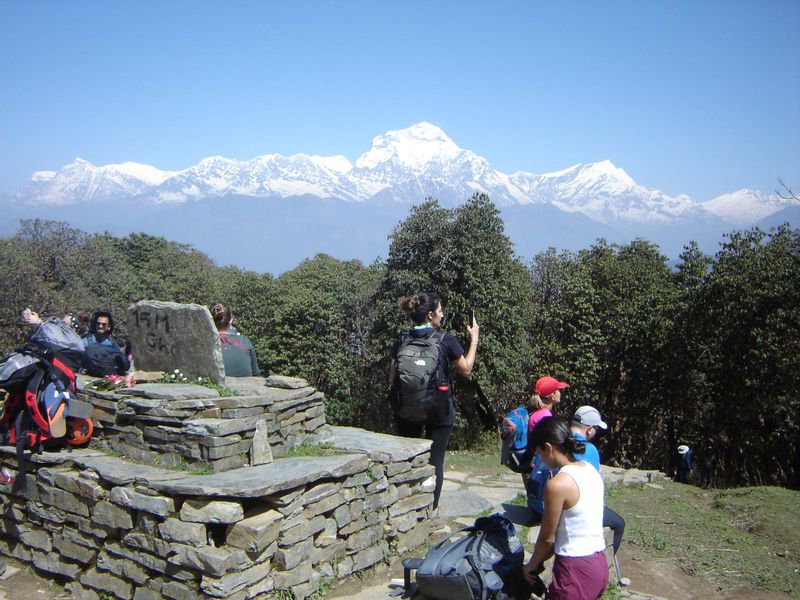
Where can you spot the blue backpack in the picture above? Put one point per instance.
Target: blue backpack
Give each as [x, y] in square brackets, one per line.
[515, 454]
[540, 474]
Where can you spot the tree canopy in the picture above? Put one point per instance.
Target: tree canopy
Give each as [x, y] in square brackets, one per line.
[705, 352]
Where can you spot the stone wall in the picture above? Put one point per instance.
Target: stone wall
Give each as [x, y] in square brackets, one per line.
[102, 524]
[190, 425]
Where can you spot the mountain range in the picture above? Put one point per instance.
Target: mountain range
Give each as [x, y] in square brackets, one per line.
[272, 211]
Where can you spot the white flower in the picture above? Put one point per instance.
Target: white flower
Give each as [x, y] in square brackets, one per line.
[176, 371]
[172, 376]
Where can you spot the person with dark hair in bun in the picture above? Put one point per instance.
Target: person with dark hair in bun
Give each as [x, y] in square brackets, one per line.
[425, 310]
[572, 525]
[238, 353]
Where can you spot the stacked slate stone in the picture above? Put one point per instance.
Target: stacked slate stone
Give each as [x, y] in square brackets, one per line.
[186, 424]
[106, 526]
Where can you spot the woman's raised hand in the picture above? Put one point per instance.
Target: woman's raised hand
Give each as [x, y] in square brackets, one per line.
[473, 329]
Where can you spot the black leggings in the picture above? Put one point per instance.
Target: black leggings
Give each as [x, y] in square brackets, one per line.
[439, 435]
[617, 525]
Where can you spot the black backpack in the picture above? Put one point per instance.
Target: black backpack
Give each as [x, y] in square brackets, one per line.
[423, 389]
[100, 360]
[481, 562]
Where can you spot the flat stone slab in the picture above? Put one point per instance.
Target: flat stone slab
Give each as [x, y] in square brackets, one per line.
[49, 457]
[246, 385]
[456, 476]
[378, 446]
[450, 485]
[495, 495]
[462, 502]
[221, 427]
[280, 381]
[265, 480]
[122, 472]
[265, 396]
[169, 391]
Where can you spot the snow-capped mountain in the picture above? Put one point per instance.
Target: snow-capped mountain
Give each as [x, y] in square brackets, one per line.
[747, 206]
[403, 166]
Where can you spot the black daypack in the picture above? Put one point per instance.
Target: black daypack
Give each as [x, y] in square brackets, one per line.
[481, 562]
[423, 389]
[100, 360]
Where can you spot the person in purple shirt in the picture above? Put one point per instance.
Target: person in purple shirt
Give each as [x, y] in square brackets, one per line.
[584, 427]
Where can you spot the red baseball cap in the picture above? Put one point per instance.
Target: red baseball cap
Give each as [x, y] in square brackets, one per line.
[547, 385]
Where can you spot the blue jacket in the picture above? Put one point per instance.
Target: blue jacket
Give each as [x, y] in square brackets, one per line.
[590, 454]
[91, 339]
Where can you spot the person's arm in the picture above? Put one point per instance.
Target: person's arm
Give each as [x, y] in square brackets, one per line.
[253, 362]
[554, 498]
[464, 363]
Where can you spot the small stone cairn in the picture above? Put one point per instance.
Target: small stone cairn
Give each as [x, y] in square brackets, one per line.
[186, 494]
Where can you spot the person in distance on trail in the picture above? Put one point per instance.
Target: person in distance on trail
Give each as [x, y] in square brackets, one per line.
[584, 427]
[430, 409]
[572, 525]
[684, 463]
[238, 353]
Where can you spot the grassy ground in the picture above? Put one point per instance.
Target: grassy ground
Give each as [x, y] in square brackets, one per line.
[737, 538]
[743, 538]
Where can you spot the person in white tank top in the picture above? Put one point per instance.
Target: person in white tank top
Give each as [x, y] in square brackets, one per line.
[572, 524]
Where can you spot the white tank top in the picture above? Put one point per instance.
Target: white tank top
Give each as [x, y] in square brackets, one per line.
[580, 529]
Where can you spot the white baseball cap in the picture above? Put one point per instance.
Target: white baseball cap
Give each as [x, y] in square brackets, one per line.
[588, 415]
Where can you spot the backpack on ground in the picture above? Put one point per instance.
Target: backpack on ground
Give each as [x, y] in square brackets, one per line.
[100, 360]
[423, 390]
[481, 562]
[37, 392]
[514, 433]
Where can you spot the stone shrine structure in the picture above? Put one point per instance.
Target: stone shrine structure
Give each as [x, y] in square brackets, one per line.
[184, 493]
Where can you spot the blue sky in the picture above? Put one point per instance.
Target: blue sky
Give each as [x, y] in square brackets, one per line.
[694, 97]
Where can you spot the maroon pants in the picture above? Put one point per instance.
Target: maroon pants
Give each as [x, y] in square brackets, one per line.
[579, 578]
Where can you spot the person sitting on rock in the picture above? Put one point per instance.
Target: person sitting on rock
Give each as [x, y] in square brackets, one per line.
[572, 524]
[584, 426]
[100, 330]
[103, 354]
[238, 353]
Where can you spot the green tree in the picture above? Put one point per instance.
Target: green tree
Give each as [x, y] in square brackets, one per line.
[634, 291]
[751, 321]
[565, 329]
[463, 255]
[320, 320]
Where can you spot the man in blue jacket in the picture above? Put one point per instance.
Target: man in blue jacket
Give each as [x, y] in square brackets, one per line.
[103, 355]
